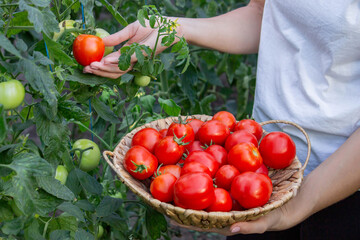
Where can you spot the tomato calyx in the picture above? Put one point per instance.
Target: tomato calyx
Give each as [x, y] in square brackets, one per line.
[81, 151]
[139, 167]
[180, 140]
[158, 173]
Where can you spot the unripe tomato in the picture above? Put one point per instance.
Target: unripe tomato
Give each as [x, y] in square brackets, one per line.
[88, 49]
[103, 33]
[12, 94]
[90, 158]
[66, 24]
[61, 174]
[142, 80]
[100, 231]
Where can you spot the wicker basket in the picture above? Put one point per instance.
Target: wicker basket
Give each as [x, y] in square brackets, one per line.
[285, 184]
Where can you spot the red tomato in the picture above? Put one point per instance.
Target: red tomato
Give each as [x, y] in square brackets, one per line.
[239, 137]
[236, 205]
[245, 157]
[182, 131]
[222, 202]
[278, 150]
[227, 118]
[205, 158]
[251, 126]
[140, 163]
[173, 169]
[194, 190]
[213, 132]
[169, 151]
[146, 137]
[192, 167]
[225, 175]
[195, 124]
[194, 146]
[163, 132]
[218, 152]
[88, 49]
[263, 170]
[162, 187]
[251, 189]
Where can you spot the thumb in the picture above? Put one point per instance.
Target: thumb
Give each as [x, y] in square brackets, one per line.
[121, 36]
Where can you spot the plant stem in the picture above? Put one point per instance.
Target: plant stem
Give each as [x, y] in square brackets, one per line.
[9, 5]
[57, 10]
[22, 27]
[12, 9]
[156, 42]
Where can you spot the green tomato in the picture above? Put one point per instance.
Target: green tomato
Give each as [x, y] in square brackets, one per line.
[66, 24]
[100, 231]
[103, 33]
[12, 94]
[61, 174]
[90, 158]
[142, 80]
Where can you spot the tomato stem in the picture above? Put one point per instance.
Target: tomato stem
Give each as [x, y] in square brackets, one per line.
[139, 167]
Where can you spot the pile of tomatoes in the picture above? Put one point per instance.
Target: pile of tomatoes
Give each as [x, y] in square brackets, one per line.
[216, 165]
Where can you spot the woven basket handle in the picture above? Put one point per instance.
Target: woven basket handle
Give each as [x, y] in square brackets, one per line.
[111, 154]
[302, 130]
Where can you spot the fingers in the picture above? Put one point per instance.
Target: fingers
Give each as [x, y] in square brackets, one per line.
[105, 70]
[121, 36]
[257, 226]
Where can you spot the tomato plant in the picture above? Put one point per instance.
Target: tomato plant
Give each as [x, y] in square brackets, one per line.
[213, 132]
[194, 190]
[278, 150]
[12, 94]
[140, 163]
[162, 187]
[245, 157]
[88, 154]
[88, 49]
[146, 137]
[222, 201]
[251, 126]
[251, 189]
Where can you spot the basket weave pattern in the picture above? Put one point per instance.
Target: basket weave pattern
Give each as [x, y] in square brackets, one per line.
[285, 185]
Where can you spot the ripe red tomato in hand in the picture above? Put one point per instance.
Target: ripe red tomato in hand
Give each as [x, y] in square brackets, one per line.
[239, 137]
[194, 190]
[251, 126]
[251, 189]
[218, 152]
[162, 187]
[245, 157]
[173, 169]
[182, 131]
[222, 202]
[278, 150]
[192, 167]
[213, 132]
[169, 150]
[195, 124]
[146, 137]
[225, 175]
[205, 158]
[140, 163]
[88, 49]
[227, 118]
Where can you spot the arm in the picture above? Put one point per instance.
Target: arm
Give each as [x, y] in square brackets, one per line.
[235, 32]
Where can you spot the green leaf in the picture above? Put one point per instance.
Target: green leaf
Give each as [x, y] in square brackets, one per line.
[152, 21]
[30, 164]
[32, 232]
[70, 110]
[89, 12]
[104, 111]
[126, 78]
[139, 55]
[3, 125]
[170, 107]
[124, 61]
[115, 13]
[7, 45]
[88, 79]
[60, 235]
[73, 183]
[151, 217]
[88, 183]
[85, 205]
[41, 80]
[107, 206]
[81, 234]
[55, 188]
[19, 19]
[147, 102]
[188, 80]
[210, 74]
[56, 51]
[72, 210]
[141, 17]
[13, 227]
[67, 223]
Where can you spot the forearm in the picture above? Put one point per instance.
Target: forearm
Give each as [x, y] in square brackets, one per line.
[236, 32]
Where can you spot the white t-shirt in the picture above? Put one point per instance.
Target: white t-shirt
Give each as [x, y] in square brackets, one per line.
[309, 72]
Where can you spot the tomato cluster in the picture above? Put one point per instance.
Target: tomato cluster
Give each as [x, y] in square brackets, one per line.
[217, 165]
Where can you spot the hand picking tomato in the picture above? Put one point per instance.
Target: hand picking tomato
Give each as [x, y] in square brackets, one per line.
[61, 174]
[146, 137]
[162, 187]
[205, 158]
[213, 132]
[227, 118]
[192, 167]
[251, 189]
[239, 137]
[88, 49]
[218, 152]
[251, 126]
[181, 130]
[169, 150]
[173, 169]
[12, 94]
[194, 191]
[222, 202]
[140, 163]
[90, 158]
[245, 157]
[225, 175]
[277, 150]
